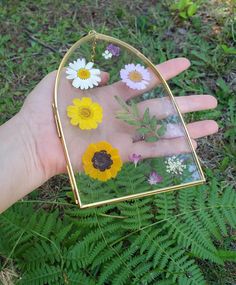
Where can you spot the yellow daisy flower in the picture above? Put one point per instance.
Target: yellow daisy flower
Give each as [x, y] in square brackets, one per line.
[85, 113]
[101, 161]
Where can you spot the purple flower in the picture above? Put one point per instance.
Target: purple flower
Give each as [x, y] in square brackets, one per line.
[154, 178]
[135, 158]
[115, 50]
[135, 76]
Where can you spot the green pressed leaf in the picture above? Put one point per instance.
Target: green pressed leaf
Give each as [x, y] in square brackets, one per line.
[132, 122]
[153, 123]
[161, 131]
[146, 117]
[143, 130]
[134, 109]
[122, 103]
[123, 116]
[151, 139]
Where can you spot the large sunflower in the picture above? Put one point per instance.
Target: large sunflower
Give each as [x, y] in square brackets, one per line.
[101, 161]
[85, 113]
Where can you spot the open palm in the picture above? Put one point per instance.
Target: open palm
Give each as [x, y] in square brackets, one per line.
[37, 113]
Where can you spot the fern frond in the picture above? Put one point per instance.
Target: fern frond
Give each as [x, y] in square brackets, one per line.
[168, 257]
[50, 275]
[115, 264]
[39, 254]
[166, 204]
[137, 213]
[78, 278]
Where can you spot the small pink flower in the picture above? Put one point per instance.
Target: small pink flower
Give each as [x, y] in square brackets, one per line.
[135, 158]
[154, 178]
[135, 76]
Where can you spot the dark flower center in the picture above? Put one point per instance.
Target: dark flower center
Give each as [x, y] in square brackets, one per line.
[102, 160]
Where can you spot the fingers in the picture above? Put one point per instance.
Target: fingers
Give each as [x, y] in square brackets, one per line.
[168, 69]
[196, 103]
[174, 146]
[163, 147]
[202, 128]
[104, 78]
[196, 130]
[163, 107]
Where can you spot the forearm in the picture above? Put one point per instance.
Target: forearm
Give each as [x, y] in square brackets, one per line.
[20, 169]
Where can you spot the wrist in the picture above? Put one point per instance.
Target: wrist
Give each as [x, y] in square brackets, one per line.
[21, 172]
[29, 149]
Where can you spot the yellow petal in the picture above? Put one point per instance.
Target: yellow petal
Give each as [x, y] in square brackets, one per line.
[86, 100]
[76, 101]
[74, 121]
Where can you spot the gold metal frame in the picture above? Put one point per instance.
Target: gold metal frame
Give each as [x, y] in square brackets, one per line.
[95, 35]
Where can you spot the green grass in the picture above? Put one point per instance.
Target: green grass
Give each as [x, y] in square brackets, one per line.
[34, 35]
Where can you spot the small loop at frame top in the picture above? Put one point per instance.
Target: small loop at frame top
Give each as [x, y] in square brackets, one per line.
[92, 32]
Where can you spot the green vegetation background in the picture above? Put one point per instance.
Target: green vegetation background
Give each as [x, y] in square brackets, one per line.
[176, 238]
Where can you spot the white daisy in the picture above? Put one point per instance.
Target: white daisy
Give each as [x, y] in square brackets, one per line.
[106, 54]
[82, 74]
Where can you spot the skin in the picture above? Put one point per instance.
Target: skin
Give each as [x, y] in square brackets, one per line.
[31, 152]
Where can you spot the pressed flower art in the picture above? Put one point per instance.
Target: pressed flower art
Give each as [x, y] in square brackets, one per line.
[101, 161]
[82, 74]
[135, 76]
[175, 165]
[154, 178]
[135, 158]
[122, 133]
[113, 49]
[106, 54]
[85, 113]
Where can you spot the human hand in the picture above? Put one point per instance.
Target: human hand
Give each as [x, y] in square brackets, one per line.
[42, 126]
[30, 149]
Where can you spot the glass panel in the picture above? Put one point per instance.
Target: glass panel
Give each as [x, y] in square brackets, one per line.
[123, 133]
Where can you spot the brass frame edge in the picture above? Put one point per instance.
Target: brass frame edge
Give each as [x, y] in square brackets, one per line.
[69, 167]
[68, 163]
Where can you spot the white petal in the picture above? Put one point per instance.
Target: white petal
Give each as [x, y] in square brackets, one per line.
[89, 65]
[95, 82]
[76, 82]
[73, 66]
[124, 74]
[82, 62]
[90, 84]
[86, 85]
[70, 71]
[71, 76]
[79, 63]
[96, 78]
[95, 71]
[82, 85]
